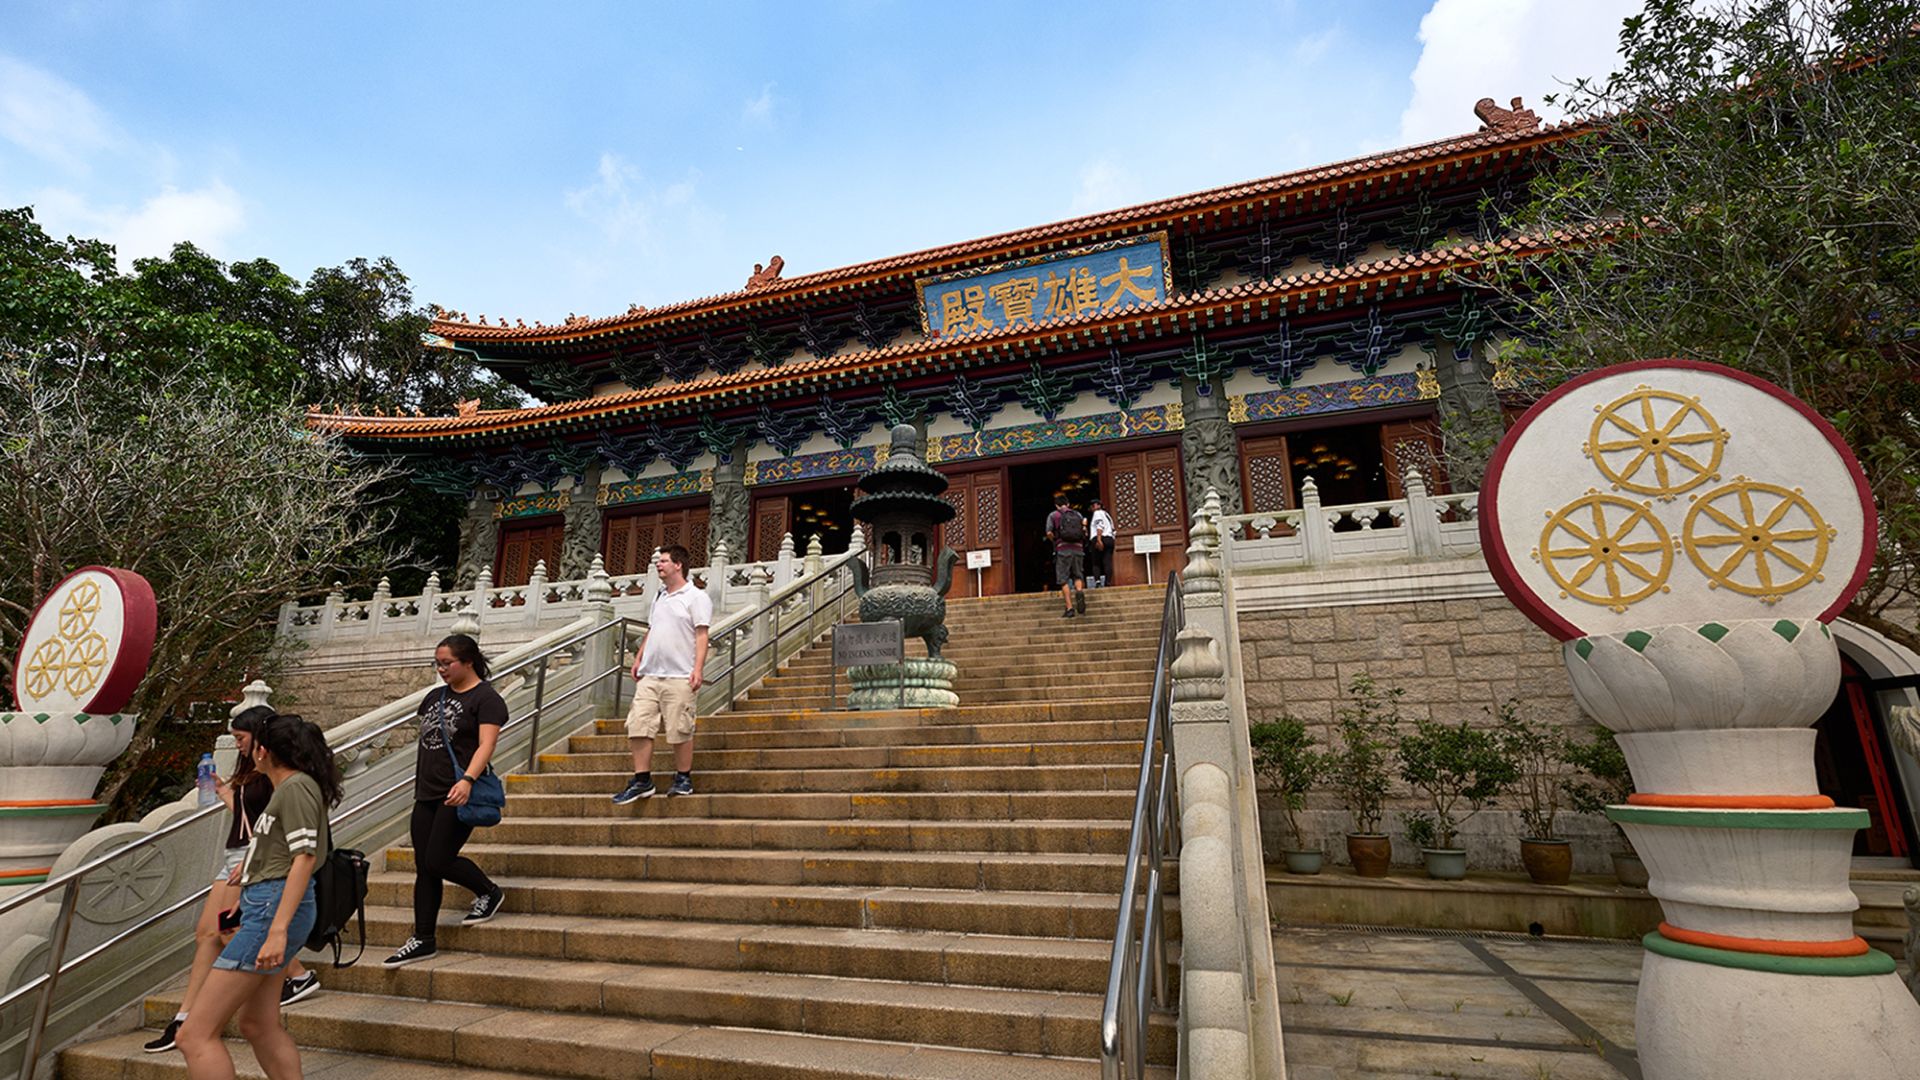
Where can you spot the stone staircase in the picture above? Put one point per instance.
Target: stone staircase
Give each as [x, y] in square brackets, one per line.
[882, 894]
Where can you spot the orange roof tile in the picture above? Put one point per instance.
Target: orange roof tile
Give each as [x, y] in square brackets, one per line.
[1345, 284]
[1286, 185]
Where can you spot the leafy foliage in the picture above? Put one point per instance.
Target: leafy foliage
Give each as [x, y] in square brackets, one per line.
[1537, 750]
[1358, 769]
[1607, 780]
[1753, 200]
[1289, 762]
[1451, 765]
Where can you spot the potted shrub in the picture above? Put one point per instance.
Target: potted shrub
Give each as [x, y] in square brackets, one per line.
[1359, 773]
[1287, 761]
[1459, 770]
[1538, 753]
[1607, 782]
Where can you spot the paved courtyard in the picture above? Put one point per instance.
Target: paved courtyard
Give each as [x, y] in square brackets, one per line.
[1384, 1004]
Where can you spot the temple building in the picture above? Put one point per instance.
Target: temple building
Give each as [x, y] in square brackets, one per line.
[1245, 338]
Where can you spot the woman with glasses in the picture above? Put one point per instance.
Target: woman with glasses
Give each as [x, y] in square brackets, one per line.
[459, 727]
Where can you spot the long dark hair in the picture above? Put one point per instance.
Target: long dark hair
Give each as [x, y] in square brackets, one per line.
[249, 721]
[299, 745]
[467, 651]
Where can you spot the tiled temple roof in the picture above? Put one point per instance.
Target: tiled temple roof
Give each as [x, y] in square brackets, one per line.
[1355, 172]
[1181, 313]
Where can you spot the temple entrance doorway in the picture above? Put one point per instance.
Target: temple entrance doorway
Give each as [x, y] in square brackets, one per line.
[1033, 488]
[822, 510]
[1854, 764]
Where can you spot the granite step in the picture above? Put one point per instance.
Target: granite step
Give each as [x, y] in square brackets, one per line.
[1023, 806]
[571, 779]
[611, 736]
[1063, 836]
[918, 755]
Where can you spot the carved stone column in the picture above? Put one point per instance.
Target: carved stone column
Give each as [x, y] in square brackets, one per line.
[1209, 450]
[582, 539]
[1470, 419]
[479, 537]
[728, 508]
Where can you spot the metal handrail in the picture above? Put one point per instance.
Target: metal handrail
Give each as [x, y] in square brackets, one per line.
[68, 883]
[1137, 970]
[774, 603]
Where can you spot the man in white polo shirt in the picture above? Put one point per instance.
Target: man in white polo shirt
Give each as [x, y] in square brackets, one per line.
[667, 671]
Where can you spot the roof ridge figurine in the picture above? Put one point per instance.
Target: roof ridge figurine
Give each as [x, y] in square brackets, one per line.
[1503, 121]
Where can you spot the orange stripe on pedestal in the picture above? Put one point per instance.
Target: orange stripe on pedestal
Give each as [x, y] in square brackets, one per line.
[1733, 802]
[1853, 946]
[46, 802]
[37, 871]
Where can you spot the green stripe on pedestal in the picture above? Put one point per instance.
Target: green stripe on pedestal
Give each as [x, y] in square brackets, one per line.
[1841, 818]
[24, 879]
[87, 809]
[1871, 962]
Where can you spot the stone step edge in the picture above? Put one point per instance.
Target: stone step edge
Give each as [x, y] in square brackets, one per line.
[837, 892]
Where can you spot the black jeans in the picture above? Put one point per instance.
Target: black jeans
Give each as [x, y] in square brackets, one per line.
[1100, 558]
[438, 837]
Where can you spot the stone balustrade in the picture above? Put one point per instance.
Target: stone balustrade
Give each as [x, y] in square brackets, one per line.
[1418, 527]
[501, 610]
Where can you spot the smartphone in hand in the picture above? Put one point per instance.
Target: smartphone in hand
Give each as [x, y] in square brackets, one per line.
[230, 920]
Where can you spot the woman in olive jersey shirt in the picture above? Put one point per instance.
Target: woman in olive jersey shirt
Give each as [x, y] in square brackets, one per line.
[276, 905]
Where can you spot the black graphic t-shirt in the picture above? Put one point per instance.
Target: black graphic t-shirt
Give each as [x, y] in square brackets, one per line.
[465, 712]
[249, 802]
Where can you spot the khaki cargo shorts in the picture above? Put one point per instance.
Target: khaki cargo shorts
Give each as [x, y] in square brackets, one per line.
[661, 701]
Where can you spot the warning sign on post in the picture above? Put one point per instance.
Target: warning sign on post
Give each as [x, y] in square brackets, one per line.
[863, 644]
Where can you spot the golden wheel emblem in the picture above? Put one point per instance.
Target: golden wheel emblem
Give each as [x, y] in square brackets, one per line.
[1656, 442]
[45, 667]
[77, 614]
[86, 663]
[1617, 541]
[1757, 539]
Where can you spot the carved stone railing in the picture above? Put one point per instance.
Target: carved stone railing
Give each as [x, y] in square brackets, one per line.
[506, 611]
[1418, 527]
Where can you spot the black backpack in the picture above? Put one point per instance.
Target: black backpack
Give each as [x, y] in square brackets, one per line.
[1071, 528]
[339, 896]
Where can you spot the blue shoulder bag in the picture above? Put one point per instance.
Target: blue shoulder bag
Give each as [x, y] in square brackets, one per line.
[487, 796]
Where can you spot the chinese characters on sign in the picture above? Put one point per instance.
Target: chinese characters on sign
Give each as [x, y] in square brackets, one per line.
[1099, 279]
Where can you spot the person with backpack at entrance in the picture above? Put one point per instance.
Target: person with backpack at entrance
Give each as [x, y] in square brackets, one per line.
[277, 905]
[247, 793]
[459, 727]
[1068, 531]
[1100, 555]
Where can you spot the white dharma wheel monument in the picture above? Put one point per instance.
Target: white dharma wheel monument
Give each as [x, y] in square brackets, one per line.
[83, 656]
[1688, 531]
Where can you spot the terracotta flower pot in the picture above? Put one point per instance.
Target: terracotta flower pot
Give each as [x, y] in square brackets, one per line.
[1630, 871]
[1304, 862]
[1371, 853]
[1445, 864]
[1548, 862]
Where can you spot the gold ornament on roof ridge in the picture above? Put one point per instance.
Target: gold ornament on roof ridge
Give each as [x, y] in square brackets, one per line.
[1580, 543]
[1756, 537]
[1666, 443]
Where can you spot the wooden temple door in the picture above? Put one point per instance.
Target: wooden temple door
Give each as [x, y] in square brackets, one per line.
[628, 540]
[1144, 492]
[979, 524]
[526, 543]
[1266, 479]
[771, 513]
[1416, 443]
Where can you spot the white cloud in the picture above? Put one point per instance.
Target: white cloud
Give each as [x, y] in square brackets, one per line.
[623, 208]
[759, 110]
[646, 231]
[208, 217]
[50, 118]
[1104, 186]
[1473, 49]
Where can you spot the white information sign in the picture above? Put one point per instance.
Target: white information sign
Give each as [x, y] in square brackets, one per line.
[979, 560]
[1146, 544]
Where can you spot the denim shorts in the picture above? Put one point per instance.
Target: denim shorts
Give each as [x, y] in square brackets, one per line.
[258, 904]
[229, 858]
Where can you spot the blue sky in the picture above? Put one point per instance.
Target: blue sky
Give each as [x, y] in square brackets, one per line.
[537, 160]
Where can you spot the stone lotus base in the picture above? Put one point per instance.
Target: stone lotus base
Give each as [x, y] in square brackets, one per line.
[915, 684]
[1698, 1021]
[49, 765]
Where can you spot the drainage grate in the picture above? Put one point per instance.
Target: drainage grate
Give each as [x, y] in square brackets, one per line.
[1434, 932]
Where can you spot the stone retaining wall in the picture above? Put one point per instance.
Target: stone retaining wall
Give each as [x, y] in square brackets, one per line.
[331, 698]
[1455, 658]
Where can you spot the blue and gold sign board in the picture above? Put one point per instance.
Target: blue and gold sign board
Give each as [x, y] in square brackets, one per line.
[1045, 288]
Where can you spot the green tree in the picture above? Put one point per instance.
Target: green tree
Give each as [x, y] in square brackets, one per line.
[1750, 196]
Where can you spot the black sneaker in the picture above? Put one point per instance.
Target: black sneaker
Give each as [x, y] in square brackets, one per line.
[413, 950]
[1067, 614]
[485, 908]
[292, 990]
[1079, 601]
[165, 1041]
[682, 784]
[641, 787]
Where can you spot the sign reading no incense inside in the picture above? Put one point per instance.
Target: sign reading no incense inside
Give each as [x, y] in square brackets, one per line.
[1669, 491]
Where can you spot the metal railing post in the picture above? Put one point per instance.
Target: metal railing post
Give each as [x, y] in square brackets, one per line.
[539, 703]
[620, 655]
[56, 955]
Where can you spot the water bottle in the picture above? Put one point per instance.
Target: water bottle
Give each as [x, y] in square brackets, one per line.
[206, 781]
